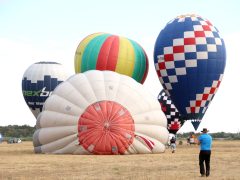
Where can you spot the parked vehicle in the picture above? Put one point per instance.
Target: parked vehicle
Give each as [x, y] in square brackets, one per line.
[14, 140]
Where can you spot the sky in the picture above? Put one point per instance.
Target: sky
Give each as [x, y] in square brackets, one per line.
[50, 30]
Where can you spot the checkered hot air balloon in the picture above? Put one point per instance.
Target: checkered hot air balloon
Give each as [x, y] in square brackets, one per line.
[190, 58]
[174, 118]
[102, 51]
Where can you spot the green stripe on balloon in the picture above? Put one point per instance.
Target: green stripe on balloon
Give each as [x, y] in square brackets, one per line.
[140, 62]
[146, 67]
[90, 54]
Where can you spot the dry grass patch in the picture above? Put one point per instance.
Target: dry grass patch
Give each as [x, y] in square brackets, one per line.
[17, 161]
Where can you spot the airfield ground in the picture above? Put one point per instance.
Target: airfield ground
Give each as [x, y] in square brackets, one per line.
[18, 161]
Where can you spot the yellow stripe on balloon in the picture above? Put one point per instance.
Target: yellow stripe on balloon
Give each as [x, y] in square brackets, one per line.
[125, 62]
[80, 51]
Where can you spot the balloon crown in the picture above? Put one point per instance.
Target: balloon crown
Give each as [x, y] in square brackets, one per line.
[187, 15]
[47, 62]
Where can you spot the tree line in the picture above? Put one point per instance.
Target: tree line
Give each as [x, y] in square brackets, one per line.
[26, 132]
[217, 135]
[23, 132]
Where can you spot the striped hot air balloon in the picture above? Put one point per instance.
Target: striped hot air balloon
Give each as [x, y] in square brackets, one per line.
[102, 51]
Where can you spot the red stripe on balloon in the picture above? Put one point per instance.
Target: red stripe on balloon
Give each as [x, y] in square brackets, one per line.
[108, 55]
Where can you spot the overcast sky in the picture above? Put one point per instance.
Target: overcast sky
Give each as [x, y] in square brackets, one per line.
[50, 30]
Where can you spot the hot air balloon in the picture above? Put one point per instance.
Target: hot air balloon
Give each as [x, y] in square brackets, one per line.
[102, 51]
[190, 58]
[174, 118]
[100, 112]
[38, 82]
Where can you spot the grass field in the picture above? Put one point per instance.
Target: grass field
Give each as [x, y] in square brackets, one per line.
[17, 161]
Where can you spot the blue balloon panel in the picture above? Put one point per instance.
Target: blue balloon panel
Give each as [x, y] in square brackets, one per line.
[35, 94]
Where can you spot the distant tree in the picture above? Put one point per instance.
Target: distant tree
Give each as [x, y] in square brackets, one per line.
[223, 135]
[17, 131]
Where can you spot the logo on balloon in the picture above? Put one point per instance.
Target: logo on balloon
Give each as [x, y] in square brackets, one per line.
[35, 94]
[41, 93]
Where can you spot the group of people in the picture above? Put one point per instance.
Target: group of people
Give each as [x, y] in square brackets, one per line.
[205, 142]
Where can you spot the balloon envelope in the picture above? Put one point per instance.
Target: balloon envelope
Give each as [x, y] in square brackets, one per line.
[190, 58]
[174, 118]
[100, 112]
[38, 82]
[102, 51]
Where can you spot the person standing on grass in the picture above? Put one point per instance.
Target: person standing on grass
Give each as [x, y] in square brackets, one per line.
[205, 142]
[173, 144]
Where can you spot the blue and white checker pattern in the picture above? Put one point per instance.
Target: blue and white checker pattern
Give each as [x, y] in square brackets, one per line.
[188, 45]
[198, 44]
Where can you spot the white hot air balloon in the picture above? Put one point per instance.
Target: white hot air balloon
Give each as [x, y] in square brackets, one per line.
[100, 112]
[38, 82]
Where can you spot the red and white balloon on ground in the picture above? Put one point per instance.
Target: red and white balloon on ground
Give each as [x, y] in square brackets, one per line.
[101, 112]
